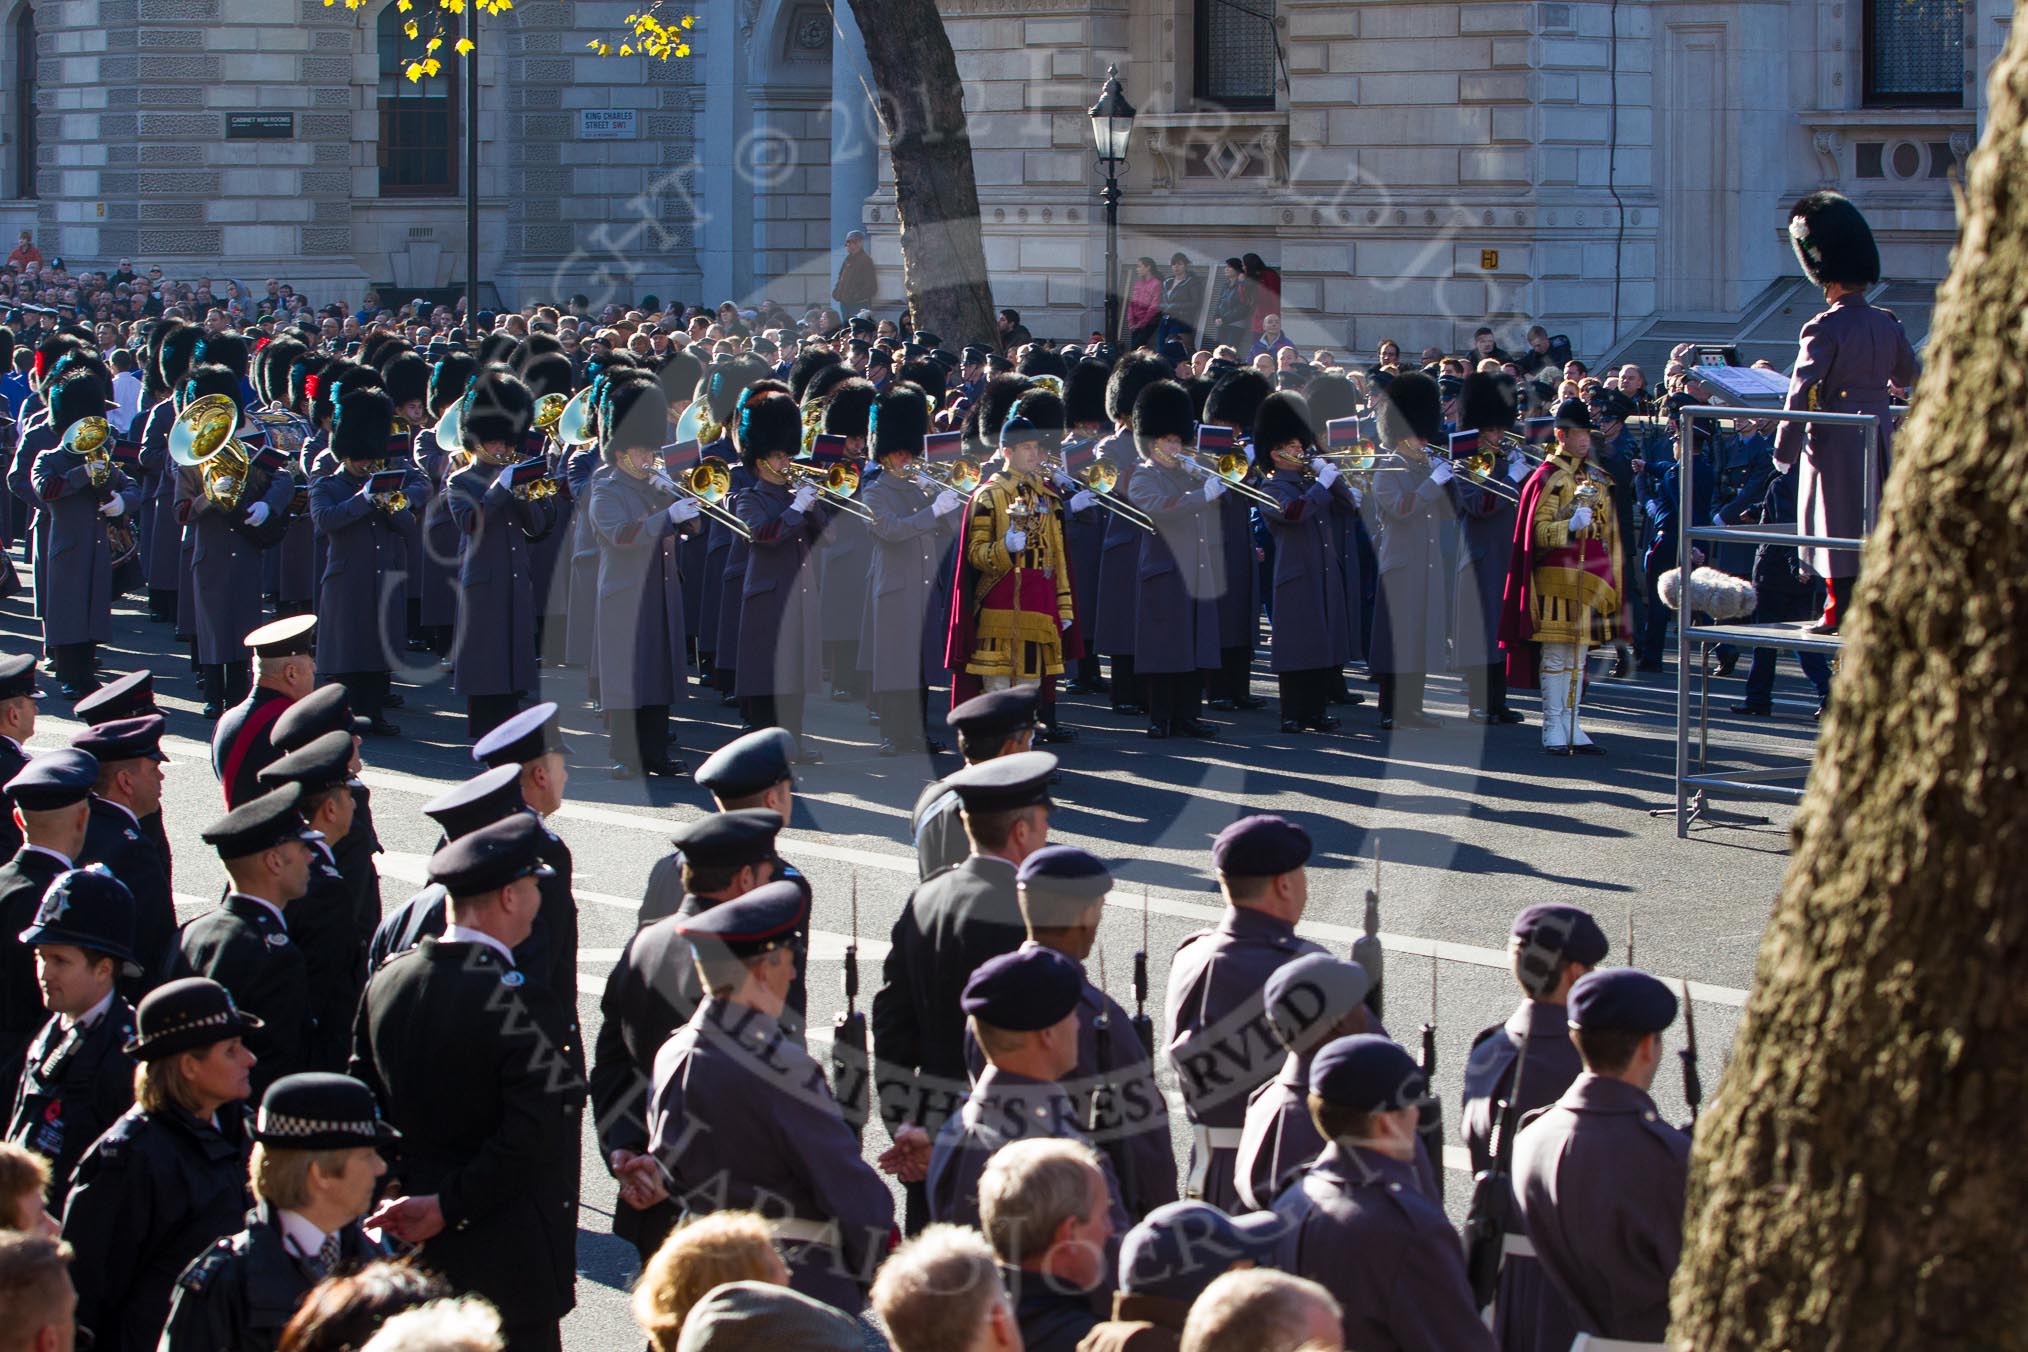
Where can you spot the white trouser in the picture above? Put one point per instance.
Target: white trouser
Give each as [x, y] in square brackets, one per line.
[1000, 683]
[1562, 668]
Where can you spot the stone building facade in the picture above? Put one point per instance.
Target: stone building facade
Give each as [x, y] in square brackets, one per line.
[1413, 167]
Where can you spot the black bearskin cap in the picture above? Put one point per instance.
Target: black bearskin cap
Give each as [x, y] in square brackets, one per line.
[1330, 398]
[448, 380]
[500, 409]
[1833, 241]
[1280, 419]
[1489, 402]
[769, 422]
[900, 421]
[75, 397]
[635, 413]
[362, 425]
[1412, 407]
[805, 367]
[847, 410]
[1136, 371]
[406, 377]
[202, 380]
[1163, 409]
[1237, 397]
[221, 349]
[1084, 393]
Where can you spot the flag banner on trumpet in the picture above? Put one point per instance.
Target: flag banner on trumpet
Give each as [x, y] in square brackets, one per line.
[527, 472]
[129, 451]
[1464, 444]
[1342, 434]
[1212, 440]
[385, 481]
[272, 458]
[1079, 456]
[682, 455]
[941, 446]
[827, 450]
[1540, 431]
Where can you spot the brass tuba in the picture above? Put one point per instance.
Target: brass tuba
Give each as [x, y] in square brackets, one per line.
[202, 439]
[92, 438]
[574, 424]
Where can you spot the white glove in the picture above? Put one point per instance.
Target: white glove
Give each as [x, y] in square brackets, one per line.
[1065, 625]
[1016, 541]
[257, 514]
[684, 509]
[117, 505]
[947, 502]
[499, 481]
[1358, 498]
[1580, 519]
[1440, 471]
[1517, 467]
[1189, 466]
[1065, 482]
[1214, 489]
[1327, 474]
[1082, 499]
[805, 495]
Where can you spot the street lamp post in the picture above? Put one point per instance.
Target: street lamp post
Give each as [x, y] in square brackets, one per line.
[1112, 122]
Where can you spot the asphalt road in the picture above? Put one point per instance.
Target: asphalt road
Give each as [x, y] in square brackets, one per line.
[1471, 825]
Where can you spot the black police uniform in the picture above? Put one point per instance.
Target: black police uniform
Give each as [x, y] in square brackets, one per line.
[983, 720]
[328, 709]
[75, 1084]
[547, 957]
[241, 745]
[246, 947]
[23, 880]
[148, 1197]
[131, 696]
[12, 759]
[241, 1293]
[118, 839]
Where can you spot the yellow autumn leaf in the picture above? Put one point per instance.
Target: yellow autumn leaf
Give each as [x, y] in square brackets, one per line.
[690, 21]
[433, 44]
[464, 47]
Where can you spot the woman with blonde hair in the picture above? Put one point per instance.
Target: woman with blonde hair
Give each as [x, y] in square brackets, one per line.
[726, 1246]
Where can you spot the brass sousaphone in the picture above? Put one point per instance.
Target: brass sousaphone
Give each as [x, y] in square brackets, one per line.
[202, 439]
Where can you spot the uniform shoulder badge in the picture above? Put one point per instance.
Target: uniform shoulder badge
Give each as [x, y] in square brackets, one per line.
[278, 940]
[512, 979]
[206, 1269]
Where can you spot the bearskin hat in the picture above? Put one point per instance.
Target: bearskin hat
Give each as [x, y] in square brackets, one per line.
[1574, 415]
[1489, 402]
[1237, 397]
[930, 376]
[1412, 408]
[169, 346]
[821, 385]
[1833, 241]
[540, 344]
[1162, 409]
[405, 378]
[680, 371]
[849, 409]
[361, 425]
[1135, 372]
[1041, 361]
[1280, 419]
[75, 397]
[448, 379]
[900, 421]
[305, 375]
[635, 413]
[499, 346]
[1042, 409]
[769, 421]
[805, 367]
[996, 400]
[50, 352]
[202, 380]
[1330, 398]
[221, 349]
[549, 373]
[726, 381]
[271, 368]
[375, 348]
[500, 409]
[1084, 392]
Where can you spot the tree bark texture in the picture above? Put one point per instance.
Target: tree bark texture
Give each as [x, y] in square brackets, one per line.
[1859, 1183]
[936, 197]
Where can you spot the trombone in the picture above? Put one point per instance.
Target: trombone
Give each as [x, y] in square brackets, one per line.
[961, 476]
[1101, 478]
[710, 482]
[836, 484]
[1231, 466]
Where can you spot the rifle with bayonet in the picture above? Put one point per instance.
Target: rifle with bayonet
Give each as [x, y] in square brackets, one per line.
[1430, 1112]
[850, 1082]
[1105, 1123]
[1144, 1027]
[1366, 950]
[1693, 1082]
[1491, 1213]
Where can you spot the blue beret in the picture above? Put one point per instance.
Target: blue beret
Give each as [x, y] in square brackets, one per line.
[1368, 1074]
[748, 765]
[1260, 847]
[526, 736]
[729, 839]
[17, 677]
[1065, 869]
[492, 856]
[1031, 988]
[1311, 995]
[122, 739]
[771, 916]
[479, 801]
[130, 696]
[1179, 1248]
[261, 824]
[53, 780]
[1621, 1000]
[1018, 429]
[1551, 935]
[1005, 782]
[86, 908]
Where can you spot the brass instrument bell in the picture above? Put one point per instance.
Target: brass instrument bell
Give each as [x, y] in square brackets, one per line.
[202, 439]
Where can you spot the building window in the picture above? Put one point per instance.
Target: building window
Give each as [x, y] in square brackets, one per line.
[24, 103]
[1915, 53]
[1237, 53]
[418, 118]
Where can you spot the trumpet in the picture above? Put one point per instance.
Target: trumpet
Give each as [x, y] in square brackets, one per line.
[202, 439]
[396, 501]
[1102, 478]
[92, 438]
[1231, 466]
[710, 483]
[836, 484]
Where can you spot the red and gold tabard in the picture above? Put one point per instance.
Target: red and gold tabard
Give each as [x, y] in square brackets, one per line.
[1021, 602]
[1574, 573]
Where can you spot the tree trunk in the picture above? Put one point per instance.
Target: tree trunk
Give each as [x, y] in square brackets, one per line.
[1859, 1182]
[936, 198]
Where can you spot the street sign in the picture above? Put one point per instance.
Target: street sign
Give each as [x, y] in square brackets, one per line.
[260, 126]
[607, 124]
